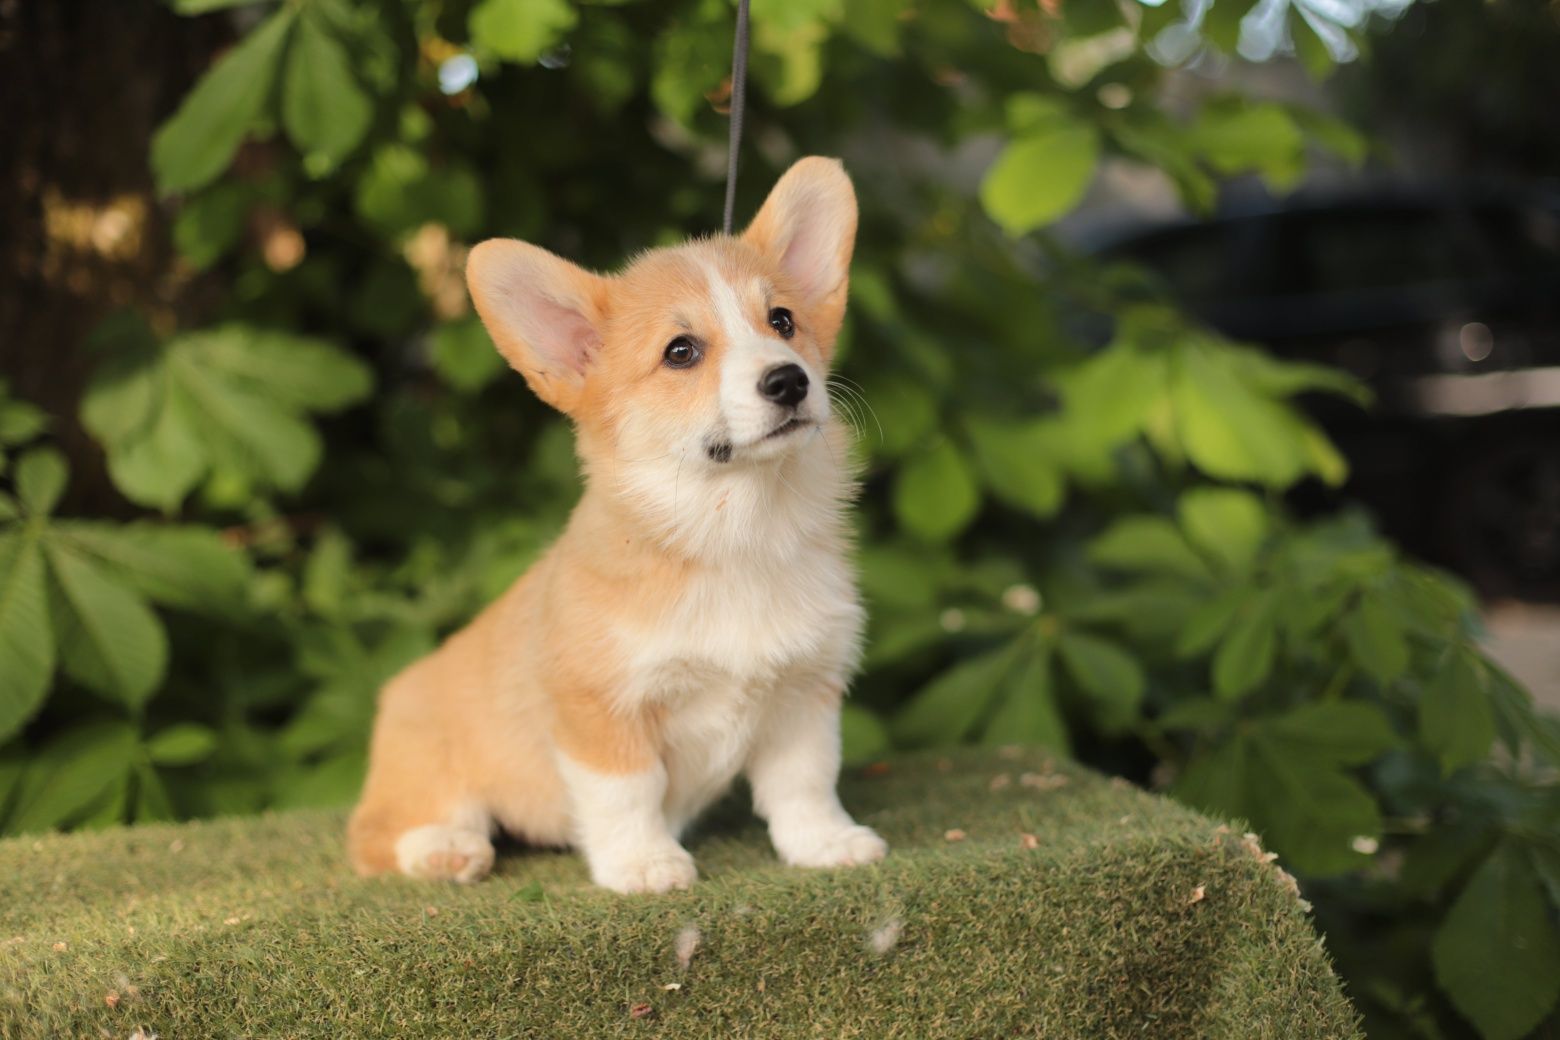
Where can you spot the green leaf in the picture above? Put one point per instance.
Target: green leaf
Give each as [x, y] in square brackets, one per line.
[948, 708]
[520, 30]
[689, 62]
[1226, 523]
[1245, 137]
[1245, 657]
[299, 372]
[905, 410]
[176, 566]
[20, 422]
[225, 398]
[1028, 713]
[935, 494]
[1111, 676]
[464, 356]
[1040, 176]
[1284, 774]
[26, 637]
[324, 109]
[1210, 620]
[874, 24]
[1149, 544]
[210, 224]
[190, 7]
[1343, 732]
[68, 776]
[152, 803]
[1306, 808]
[1111, 396]
[1279, 378]
[159, 464]
[1015, 465]
[40, 480]
[1376, 640]
[109, 640]
[1456, 716]
[863, 736]
[198, 142]
[1226, 428]
[1496, 954]
[400, 192]
[327, 573]
[182, 744]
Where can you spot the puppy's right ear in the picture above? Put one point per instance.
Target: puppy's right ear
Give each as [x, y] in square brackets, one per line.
[544, 313]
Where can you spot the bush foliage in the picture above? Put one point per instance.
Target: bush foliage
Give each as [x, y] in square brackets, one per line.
[1073, 526]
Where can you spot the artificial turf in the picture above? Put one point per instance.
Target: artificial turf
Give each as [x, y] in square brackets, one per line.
[1129, 917]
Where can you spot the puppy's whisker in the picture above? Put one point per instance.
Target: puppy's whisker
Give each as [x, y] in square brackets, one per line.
[845, 387]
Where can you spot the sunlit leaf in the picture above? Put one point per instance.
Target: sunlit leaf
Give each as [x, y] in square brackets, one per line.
[1040, 176]
[1226, 523]
[520, 30]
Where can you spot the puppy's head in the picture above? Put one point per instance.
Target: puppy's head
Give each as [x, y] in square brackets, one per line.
[711, 353]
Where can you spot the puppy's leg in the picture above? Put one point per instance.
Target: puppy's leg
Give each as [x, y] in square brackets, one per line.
[621, 827]
[793, 768]
[417, 813]
[617, 793]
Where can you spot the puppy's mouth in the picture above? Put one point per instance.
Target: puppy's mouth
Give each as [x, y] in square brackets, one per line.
[721, 451]
[791, 425]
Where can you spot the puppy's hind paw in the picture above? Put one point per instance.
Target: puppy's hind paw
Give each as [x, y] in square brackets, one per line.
[439, 852]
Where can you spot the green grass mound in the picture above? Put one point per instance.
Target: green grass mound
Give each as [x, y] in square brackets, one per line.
[1126, 916]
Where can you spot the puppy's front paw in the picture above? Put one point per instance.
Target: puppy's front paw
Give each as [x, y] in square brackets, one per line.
[439, 852]
[834, 846]
[659, 870]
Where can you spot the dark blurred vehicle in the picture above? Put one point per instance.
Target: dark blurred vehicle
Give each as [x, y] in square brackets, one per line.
[1447, 302]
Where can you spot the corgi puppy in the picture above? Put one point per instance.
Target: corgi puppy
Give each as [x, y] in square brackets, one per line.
[698, 617]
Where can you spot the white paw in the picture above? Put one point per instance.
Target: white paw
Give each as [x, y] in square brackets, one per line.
[439, 852]
[848, 846]
[658, 871]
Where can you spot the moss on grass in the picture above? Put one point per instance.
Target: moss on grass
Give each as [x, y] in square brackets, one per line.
[1132, 917]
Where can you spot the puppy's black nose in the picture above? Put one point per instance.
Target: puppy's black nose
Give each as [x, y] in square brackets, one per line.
[784, 385]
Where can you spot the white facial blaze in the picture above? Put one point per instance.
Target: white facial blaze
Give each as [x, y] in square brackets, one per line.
[752, 349]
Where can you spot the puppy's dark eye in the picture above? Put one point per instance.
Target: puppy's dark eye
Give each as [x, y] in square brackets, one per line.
[781, 321]
[681, 352]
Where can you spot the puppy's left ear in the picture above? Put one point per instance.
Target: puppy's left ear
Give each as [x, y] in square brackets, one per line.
[808, 226]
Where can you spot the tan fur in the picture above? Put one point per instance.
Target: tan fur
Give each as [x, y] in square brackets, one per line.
[547, 667]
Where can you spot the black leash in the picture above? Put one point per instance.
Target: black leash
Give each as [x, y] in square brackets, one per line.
[739, 53]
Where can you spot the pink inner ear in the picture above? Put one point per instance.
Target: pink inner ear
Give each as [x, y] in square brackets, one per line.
[811, 255]
[563, 336]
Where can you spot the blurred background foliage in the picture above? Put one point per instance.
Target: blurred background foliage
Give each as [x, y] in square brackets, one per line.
[297, 462]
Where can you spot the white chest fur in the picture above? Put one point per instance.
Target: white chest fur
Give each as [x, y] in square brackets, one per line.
[769, 610]
[729, 651]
